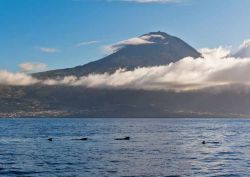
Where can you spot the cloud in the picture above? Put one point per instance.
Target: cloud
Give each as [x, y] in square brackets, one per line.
[16, 79]
[140, 1]
[245, 44]
[244, 50]
[86, 43]
[48, 50]
[219, 52]
[32, 67]
[146, 39]
[150, 1]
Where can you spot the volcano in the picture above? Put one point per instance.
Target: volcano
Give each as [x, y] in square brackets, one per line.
[152, 49]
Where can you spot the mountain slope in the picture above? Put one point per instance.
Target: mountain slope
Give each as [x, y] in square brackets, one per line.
[158, 48]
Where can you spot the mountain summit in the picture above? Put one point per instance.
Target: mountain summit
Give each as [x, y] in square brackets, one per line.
[152, 49]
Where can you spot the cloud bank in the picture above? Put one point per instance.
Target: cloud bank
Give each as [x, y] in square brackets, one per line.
[149, 1]
[32, 67]
[83, 43]
[216, 68]
[145, 39]
[244, 50]
[186, 74]
[48, 50]
[16, 79]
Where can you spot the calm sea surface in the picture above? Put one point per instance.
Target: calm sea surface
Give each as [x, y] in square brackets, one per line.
[158, 147]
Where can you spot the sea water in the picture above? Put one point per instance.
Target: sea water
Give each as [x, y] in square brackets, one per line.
[157, 147]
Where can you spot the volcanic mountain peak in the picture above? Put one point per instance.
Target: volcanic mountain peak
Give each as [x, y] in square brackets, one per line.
[151, 49]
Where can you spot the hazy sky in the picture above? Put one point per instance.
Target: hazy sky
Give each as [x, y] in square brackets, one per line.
[66, 33]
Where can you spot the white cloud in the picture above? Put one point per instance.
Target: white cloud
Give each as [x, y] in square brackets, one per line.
[48, 50]
[215, 69]
[141, 1]
[86, 43]
[245, 44]
[146, 39]
[32, 67]
[149, 1]
[219, 52]
[17, 79]
[244, 50]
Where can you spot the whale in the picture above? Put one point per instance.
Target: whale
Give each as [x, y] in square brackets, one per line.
[126, 138]
[210, 142]
[81, 139]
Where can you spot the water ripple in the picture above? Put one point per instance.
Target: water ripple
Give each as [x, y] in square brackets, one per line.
[158, 147]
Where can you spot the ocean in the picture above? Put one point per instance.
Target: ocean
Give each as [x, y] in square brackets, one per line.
[157, 147]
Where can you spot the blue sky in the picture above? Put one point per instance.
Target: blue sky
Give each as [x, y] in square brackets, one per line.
[66, 33]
